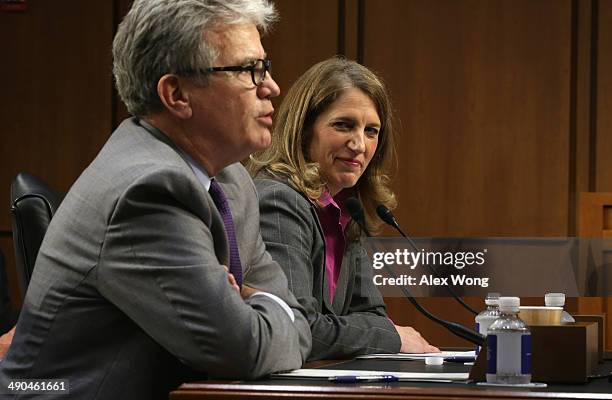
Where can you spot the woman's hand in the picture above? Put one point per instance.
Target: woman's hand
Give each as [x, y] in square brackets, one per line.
[413, 342]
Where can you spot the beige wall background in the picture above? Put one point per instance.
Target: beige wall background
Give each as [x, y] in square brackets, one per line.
[505, 105]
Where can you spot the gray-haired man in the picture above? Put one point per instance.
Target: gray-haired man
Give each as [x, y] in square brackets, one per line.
[131, 294]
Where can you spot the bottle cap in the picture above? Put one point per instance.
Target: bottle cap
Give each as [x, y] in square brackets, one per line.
[554, 299]
[434, 360]
[492, 299]
[509, 304]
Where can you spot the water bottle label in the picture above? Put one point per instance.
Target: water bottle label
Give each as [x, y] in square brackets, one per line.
[509, 353]
[491, 354]
[477, 346]
[526, 354]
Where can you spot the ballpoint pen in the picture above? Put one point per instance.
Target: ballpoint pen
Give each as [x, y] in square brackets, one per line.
[460, 359]
[365, 378]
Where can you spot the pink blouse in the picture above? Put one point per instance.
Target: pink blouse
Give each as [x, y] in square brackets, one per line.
[334, 218]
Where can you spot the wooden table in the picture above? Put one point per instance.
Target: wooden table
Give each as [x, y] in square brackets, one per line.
[311, 390]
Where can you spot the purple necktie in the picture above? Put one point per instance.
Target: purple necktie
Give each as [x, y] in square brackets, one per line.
[220, 200]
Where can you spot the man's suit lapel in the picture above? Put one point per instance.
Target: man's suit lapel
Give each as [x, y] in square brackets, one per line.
[217, 229]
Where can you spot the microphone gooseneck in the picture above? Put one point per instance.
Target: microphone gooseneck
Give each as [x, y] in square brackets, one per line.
[356, 211]
[387, 216]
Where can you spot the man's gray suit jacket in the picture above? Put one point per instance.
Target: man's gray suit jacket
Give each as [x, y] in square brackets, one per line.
[129, 297]
[355, 322]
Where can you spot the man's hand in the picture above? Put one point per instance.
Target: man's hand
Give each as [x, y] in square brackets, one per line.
[5, 341]
[413, 342]
[247, 291]
[232, 280]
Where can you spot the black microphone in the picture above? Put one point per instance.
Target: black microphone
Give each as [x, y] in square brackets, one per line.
[387, 216]
[354, 208]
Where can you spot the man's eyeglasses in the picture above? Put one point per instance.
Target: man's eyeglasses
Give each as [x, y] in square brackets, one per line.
[258, 70]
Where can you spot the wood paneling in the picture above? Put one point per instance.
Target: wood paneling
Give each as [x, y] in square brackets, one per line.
[350, 43]
[56, 94]
[581, 106]
[306, 33]
[604, 98]
[593, 221]
[482, 91]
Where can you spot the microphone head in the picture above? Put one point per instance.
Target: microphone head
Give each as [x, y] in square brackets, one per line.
[386, 215]
[354, 208]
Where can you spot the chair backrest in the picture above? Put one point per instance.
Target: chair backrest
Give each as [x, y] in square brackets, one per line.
[33, 204]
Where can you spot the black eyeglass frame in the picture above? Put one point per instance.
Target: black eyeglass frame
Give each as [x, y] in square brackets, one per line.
[267, 68]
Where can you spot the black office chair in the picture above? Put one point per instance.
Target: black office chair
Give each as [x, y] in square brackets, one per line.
[33, 204]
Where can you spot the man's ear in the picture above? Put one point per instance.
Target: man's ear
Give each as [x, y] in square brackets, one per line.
[174, 96]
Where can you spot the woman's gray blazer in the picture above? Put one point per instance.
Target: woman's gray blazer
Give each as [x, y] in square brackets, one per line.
[356, 321]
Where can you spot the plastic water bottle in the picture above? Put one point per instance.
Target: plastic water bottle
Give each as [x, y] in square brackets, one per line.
[558, 300]
[486, 317]
[509, 346]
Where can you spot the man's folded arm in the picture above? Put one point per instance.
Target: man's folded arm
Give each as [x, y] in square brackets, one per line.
[159, 267]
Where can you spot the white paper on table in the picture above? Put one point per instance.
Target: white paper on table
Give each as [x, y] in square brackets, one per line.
[420, 356]
[317, 373]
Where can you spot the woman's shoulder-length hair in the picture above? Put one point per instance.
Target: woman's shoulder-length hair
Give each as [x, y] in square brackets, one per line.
[311, 94]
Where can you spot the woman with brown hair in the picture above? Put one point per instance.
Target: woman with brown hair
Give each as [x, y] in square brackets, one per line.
[333, 139]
